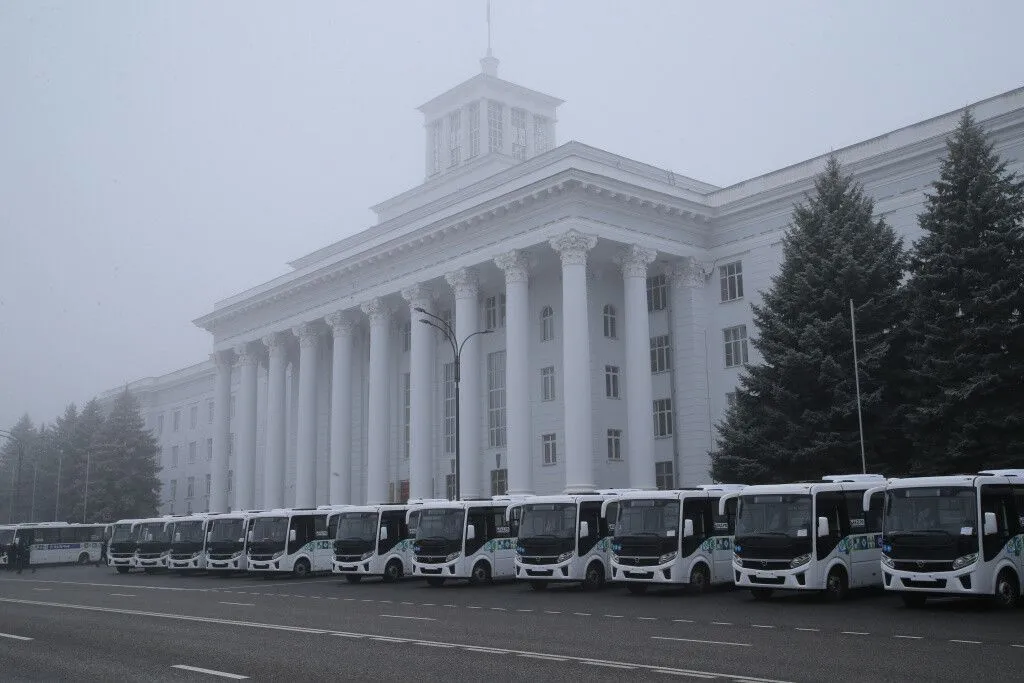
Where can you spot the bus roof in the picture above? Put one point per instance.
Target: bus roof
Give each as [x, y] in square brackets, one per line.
[567, 498]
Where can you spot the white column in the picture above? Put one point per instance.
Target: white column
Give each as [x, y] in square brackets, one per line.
[517, 371]
[579, 438]
[342, 327]
[245, 459]
[377, 418]
[305, 449]
[692, 344]
[467, 321]
[421, 468]
[639, 392]
[221, 432]
[273, 470]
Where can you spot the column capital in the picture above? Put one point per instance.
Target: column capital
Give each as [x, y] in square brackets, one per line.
[573, 246]
[515, 265]
[464, 282]
[341, 324]
[308, 334]
[419, 295]
[634, 259]
[224, 358]
[247, 354]
[689, 272]
[376, 311]
[276, 343]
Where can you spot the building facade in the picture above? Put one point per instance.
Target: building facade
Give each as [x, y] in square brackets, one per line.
[616, 299]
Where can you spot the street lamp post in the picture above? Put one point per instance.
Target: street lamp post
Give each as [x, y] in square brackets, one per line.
[445, 327]
[14, 487]
[85, 500]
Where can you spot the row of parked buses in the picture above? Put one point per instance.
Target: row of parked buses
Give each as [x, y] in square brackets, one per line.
[54, 542]
[957, 535]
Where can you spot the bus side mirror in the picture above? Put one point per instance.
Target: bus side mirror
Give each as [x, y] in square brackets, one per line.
[209, 536]
[470, 532]
[584, 529]
[249, 536]
[291, 535]
[687, 528]
[383, 533]
[822, 527]
[991, 528]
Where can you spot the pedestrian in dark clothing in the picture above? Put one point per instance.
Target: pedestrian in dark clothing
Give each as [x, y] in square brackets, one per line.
[24, 554]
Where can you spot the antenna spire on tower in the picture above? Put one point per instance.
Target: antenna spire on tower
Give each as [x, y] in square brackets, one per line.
[489, 28]
[489, 64]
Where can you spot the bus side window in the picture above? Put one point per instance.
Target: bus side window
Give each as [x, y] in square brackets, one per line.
[873, 518]
[608, 522]
[332, 526]
[1018, 500]
[320, 526]
[856, 518]
[414, 522]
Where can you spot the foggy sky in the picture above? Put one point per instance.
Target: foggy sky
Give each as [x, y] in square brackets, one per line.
[156, 157]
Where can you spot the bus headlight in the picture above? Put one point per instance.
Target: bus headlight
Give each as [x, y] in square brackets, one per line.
[236, 555]
[367, 555]
[564, 557]
[800, 560]
[887, 561]
[277, 555]
[452, 557]
[667, 557]
[965, 560]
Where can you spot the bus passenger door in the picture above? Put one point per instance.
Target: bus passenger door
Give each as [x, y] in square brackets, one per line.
[499, 531]
[323, 546]
[723, 530]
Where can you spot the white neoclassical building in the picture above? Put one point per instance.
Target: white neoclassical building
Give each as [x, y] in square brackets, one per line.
[616, 295]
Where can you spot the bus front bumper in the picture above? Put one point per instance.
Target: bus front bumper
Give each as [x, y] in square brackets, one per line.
[235, 564]
[958, 582]
[559, 571]
[191, 563]
[658, 573]
[796, 579]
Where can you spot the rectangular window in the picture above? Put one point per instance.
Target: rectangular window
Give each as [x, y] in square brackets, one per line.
[519, 133]
[193, 417]
[661, 354]
[160, 423]
[208, 484]
[496, 399]
[174, 456]
[499, 482]
[474, 130]
[454, 137]
[731, 278]
[406, 414]
[657, 293]
[501, 310]
[541, 136]
[209, 449]
[436, 136]
[407, 336]
[615, 444]
[494, 126]
[735, 345]
[174, 489]
[491, 313]
[609, 321]
[611, 381]
[191, 491]
[549, 448]
[231, 480]
[662, 417]
[177, 420]
[664, 477]
[209, 411]
[547, 383]
[192, 453]
[449, 407]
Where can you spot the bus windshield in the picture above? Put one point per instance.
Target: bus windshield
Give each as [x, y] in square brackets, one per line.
[122, 532]
[441, 523]
[648, 518]
[188, 532]
[552, 520]
[949, 509]
[6, 536]
[227, 530]
[357, 526]
[270, 529]
[153, 531]
[774, 515]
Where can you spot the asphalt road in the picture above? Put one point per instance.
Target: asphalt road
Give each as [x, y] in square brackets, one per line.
[89, 623]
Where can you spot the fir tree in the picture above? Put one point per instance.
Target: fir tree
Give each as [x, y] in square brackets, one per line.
[16, 454]
[123, 465]
[795, 415]
[965, 350]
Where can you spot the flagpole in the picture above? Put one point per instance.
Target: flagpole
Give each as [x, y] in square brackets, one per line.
[856, 379]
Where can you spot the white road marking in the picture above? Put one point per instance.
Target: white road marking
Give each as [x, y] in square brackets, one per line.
[1016, 645]
[547, 611]
[386, 602]
[966, 642]
[910, 637]
[240, 604]
[399, 616]
[682, 621]
[124, 595]
[614, 616]
[582, 614]
[428, 604]
[760, 626]
[706, 642]
[499, 609]
[806, 629]
[367, 600]
[211, 672]
[611, 665]
[855, 633]
[108, 585]
[550, 658]
[647, 618]
[42, 589]
[403, 602]
[524, 610]
[429, 644]
[467, 606]
[344, 634]
[722, 623]
[688, 674]
[14, 637]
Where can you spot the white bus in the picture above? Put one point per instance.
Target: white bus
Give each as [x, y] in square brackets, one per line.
[563, 538]
[678, 537]
[953, 536]
[152, 543]
[468, 539]
[121, 545]
[61, 542]
[807, 536]
[375, 540]
[291, 540]
[6, 540]
[188, 543]
[227, 541]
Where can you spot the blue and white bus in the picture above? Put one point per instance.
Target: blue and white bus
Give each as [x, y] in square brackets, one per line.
[61, 542]
[290, 541]
[188, 544]
[375, 540]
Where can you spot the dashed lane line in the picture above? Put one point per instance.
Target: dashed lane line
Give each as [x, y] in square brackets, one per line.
[855, 633]
[14, 637]
[706, 642]
[209, 672]
[400, 616]
[123, 595]
[909, 637]
[965, 642]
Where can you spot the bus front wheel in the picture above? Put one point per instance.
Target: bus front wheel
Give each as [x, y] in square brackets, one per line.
[393, 571]
[83, 558]
[301, 569]
[481, 574]
[1007, 589]
[836, 586]
[594, 578]
[700, 579]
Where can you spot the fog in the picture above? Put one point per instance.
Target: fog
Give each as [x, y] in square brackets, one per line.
[157, 157]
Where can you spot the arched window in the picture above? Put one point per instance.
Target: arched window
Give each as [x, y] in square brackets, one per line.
[609, 321]
[547, 324]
